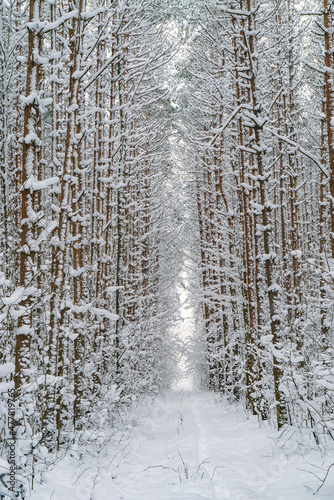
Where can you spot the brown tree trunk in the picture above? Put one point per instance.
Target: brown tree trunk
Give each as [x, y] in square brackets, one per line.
[329, 88]
[30, 144]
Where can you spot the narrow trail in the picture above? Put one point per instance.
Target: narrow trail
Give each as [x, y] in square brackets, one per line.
[187, 446]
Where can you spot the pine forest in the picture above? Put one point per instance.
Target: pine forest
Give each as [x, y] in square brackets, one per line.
[163, 160]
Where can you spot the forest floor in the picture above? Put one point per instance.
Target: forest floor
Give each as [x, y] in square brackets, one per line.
[186, 445]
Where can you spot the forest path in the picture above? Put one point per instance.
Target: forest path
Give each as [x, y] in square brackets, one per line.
[187, 446]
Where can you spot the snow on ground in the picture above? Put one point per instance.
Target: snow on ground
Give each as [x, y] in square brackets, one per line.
[187, 446]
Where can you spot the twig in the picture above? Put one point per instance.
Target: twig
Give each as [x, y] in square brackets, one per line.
[310, 472]
[161, 466]
[214, 470]
[185, 467]
[204, 462]
[81, 474]
[323, 481]
[198, 468]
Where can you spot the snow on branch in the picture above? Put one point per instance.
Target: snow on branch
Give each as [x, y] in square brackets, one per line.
[14, 298]
[228, 121]
[299, 148]
[36, 185]
[98, 73]
[55, 24]
[95, 310]
[105, 313]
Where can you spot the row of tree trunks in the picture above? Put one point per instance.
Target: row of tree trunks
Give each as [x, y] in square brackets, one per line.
[261, 155]
[83, 198]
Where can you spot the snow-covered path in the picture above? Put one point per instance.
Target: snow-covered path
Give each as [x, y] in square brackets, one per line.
[185, 446]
